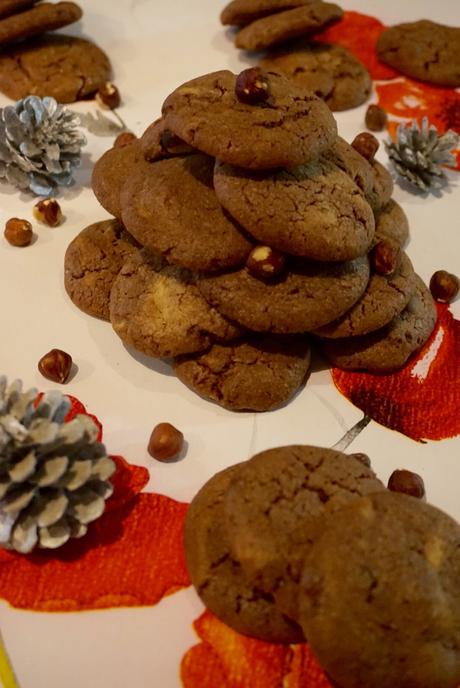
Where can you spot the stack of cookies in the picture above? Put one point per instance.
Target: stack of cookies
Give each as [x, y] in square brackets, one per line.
[306, 543]
[259, 228]
[283, 29]
[34, 62]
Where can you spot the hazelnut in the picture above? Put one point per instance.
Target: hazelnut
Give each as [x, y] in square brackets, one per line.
[55, 365]
[108, 96]
[174, 145]
[252, 86]
[265, 262]
[18, 232]
[444, 286]
[124, 139]
[385, 257]
[165, 442]
[376, 118]
[362, 458]
[408, 483]
[366, 145]
[48, 211]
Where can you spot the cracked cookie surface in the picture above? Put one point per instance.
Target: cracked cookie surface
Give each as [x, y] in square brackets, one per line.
[46, 16]
[242, 12]
[330, 71]
[273, 503]
[391, 223]
[385, 571]
[306, 297]
[217, 576]
[423, 50]
[281, 26]
[291, 127]
[92, 261]
[256, 373]
[170, 207]
[389, 348]
[111, 173]
[64, 67]
[313, 210]
[157, 309]
[385, 298]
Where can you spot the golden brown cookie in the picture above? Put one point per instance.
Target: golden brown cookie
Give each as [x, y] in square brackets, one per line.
[385, 298]
[112, 172]
[423, 50]
[8, 7]
[29, 68]
[171, 208]
[280, 27]
[330, 71]
[291, 127]
[312, 210]
[92, 261]
[242, 12]
[255, 373]
[389, 348]
[306, 297]
[157, 309]
[379, 598]
[218, 577]
[46, 16]
[273, 502]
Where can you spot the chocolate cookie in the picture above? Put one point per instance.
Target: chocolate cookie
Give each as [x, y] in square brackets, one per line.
[242, 12]
[354, 165]
[30, 68]
[157, 309]
[423, 50]
[313, 210]
[385, 298]
[170, 207]
[112, 172]
[389, 348]
[391, 223]
[218, 577]
[8, 7]
[157, 142]
[282, 26]
[272, 504]
[293, 126]
[330, 71]
[384, 571]
[382, 187]
[305, 298]
[44, 17]
[92, 261]
[256, 373]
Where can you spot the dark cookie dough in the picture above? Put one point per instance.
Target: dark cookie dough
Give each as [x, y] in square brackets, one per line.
[292, 127]
[92, 261]
[391, 223]
[256, 373]
[313, 210]
[112, 172]
[171, 208]
[423, 50]
[8, 7]
[385, 298]
[330, 71]
[157, 142]
[382, 187]
[218, 577]
[389, 348]
[282, 26]
[305, 298]
[63, 67]
[157, 309]
[44, 17]
[379, 598]
[242, 12]
[272, 504]
[354, 165]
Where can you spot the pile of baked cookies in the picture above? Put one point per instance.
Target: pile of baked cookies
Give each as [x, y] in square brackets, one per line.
[245, 229]
[283, 30]
[34, 61]
[306, 543]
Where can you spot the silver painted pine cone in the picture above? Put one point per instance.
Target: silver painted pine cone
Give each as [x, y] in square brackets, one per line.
[420, 153]
[54, 476]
